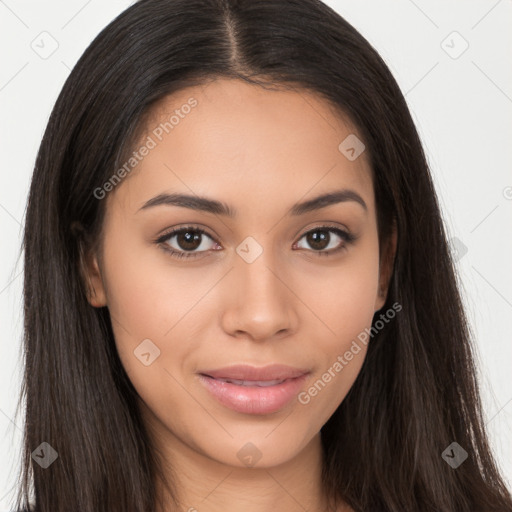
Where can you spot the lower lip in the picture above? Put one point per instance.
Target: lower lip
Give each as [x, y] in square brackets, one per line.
[253, 399]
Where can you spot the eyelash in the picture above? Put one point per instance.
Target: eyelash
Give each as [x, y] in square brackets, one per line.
[346, 236]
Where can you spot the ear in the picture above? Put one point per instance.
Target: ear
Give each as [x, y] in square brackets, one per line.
[94, 282]
[90, 271]
[386, 267]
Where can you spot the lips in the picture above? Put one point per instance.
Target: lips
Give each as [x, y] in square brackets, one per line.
[259, 383]
[252, 390]
[277, 372]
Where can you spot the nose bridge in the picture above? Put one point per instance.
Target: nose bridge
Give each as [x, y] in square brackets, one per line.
[262, 302]
[259, 277]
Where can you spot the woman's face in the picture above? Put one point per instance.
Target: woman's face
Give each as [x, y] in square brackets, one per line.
[274, 283]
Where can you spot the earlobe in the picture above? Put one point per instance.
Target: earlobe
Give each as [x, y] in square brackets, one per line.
[386, 268]
[380, 300]
[94, 284]
[91, 276]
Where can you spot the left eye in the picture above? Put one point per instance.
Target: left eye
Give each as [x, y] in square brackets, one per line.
[190, 241]
[321, 240]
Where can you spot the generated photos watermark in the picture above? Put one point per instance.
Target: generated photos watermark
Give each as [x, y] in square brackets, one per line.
[304, 397]
[151, 142]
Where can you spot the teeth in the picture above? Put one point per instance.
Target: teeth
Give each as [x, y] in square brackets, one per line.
[260, 383]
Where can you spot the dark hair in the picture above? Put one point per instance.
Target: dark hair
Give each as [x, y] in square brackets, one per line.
[416, 392]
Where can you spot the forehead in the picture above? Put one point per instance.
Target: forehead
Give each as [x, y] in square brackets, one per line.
[231, 139]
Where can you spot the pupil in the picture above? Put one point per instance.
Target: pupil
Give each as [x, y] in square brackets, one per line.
[186, 240]
[318, 242]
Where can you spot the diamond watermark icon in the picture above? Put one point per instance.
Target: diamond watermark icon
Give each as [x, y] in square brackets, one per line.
[351, 147]
[454, 455]
[249, 454]
[146, 352]
[454, 45]
[45, 45]
[457, 248]
[44, 455]
[249, 249]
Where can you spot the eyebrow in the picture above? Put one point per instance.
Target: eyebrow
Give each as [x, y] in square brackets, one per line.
[219, 208]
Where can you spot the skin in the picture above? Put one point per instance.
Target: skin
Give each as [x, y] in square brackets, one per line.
[261, 152]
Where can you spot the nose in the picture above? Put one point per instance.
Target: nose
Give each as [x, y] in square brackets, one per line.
[259, 301]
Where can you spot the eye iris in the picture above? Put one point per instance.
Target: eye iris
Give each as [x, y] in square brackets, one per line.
[188, 241]
[318, 242]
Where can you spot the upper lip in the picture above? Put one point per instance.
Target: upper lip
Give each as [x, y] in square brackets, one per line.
[262, 373]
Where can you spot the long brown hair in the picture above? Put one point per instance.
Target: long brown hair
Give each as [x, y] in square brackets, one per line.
[416, 393]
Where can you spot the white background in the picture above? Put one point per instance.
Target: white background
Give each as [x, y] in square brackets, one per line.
[462, 107]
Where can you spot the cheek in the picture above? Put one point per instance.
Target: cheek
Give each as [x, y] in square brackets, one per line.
[154, 312]
[343, 299]
[343, 295]
[147, 296]
[175, 308]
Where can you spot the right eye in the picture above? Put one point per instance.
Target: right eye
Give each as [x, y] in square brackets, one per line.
[187, 242]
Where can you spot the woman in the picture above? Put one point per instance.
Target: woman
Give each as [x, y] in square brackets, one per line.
[238, 289]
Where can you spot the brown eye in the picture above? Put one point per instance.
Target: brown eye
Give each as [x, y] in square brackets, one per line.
[186, 242]
[318, 239]
[326, 240]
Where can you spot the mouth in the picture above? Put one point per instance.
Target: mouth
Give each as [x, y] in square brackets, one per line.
[251, 390]
[259, 383]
